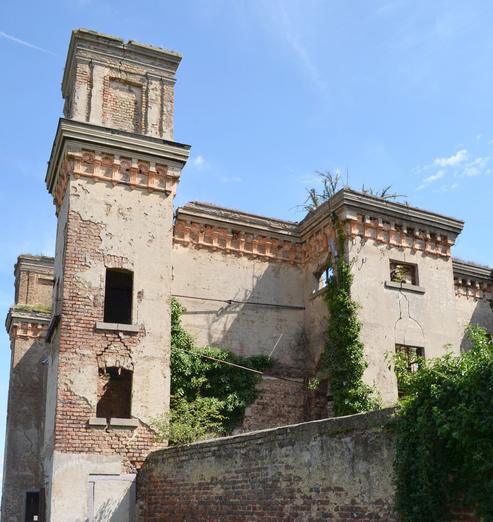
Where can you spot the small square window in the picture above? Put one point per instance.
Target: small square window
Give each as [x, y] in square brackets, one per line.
[403, 273]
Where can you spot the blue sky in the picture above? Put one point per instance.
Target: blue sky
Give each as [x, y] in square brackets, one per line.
[390, 92]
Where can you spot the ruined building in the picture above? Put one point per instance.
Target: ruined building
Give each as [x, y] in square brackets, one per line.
[90, 329]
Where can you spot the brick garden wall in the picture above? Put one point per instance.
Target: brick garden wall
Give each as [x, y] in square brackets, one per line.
[332, 469]
[339, 469]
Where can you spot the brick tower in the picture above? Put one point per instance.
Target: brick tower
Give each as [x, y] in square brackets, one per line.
[113, 171]
[26, 323]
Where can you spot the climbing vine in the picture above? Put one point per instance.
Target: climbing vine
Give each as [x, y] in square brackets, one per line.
[208, 397]
[444, 434]
[344, 352]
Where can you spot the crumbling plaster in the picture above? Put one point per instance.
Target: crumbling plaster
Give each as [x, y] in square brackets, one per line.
[120, 214]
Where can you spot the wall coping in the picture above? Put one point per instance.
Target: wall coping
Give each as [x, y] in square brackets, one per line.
[206, 213]
[334, 426]
[353, 201]
[466, 269]
[88, 134]
[159, 60]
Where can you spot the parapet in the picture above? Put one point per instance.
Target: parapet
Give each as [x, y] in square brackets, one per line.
[120, 85]
[33, 280]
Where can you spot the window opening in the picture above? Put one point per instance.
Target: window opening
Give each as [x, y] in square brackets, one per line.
[323, 277]
[118, 296]
[403, 273]
[114, 393]
[411, 355]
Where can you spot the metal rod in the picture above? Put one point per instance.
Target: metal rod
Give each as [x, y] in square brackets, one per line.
[240, 367]
[231, 301]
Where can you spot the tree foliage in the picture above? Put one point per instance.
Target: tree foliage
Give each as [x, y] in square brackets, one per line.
[444, 430]
[208, 398]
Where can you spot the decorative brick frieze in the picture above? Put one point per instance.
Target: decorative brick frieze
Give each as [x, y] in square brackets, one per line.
[252, 243]
[398, 235]
[27, 330]
[472, 281]
[114, 168]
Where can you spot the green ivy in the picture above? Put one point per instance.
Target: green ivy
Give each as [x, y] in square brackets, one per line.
[444, 435]
[208, 397]
[344, 352]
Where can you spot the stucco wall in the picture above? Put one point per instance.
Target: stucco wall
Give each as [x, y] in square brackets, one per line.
[245, 329]
[393, 316]
[471, 310]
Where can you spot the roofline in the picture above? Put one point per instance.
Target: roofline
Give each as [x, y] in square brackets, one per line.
[25, 316]
[353, 200]
[89, 133]
[208, 212]
[472, 270]
[118, 44]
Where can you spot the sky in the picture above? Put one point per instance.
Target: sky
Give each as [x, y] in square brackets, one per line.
[269, 92]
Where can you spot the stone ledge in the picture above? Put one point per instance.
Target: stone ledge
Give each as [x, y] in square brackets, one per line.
[114, 422]
[405, 286]
[118, 327]
[97, 422]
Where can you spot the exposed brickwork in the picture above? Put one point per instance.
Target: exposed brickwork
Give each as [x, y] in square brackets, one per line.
[228, 240]
[33, 280]
[279, 403]
[122, 105]
[80, 345]
[114, 169]
[337, 469]
[26, 328]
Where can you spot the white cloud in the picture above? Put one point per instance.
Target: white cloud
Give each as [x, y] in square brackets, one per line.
[430, 179]
[434, 177]
[459, 157]
[24, 43]
[476, 167]
[199, 162]
[230, 179]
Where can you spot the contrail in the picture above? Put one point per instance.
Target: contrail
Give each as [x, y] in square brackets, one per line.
[23, 42]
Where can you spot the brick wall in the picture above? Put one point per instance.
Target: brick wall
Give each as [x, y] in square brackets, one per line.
[34, 280]
[337, 469]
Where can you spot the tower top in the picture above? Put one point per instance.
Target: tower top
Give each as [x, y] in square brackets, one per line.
[120, 85]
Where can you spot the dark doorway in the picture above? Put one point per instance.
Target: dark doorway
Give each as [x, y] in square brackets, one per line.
[32, 507]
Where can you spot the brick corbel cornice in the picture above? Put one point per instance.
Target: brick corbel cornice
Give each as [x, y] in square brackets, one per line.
[29, 325]
[116, 157]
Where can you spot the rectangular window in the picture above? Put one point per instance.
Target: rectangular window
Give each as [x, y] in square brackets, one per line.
[118, 296]
[114, 393]
[403, 273]
[323, 277]
[411, 355]
[32, 507]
